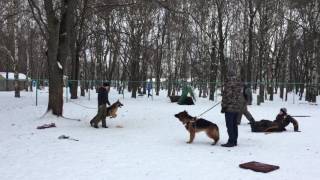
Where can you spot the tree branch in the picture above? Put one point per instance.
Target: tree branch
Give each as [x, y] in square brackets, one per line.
[39, 20]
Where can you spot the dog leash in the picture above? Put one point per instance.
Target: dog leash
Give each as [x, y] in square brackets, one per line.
[82, 105]
[86, 107]
[196, 117]
[208, 110]
[301, 116]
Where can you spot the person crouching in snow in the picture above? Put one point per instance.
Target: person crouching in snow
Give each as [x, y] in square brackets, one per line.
[278, 125]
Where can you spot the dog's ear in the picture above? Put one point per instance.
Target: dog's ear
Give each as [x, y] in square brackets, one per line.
[178, 115]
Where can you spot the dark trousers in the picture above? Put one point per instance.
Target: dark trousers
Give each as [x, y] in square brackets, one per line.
[232, 126]
[247, 114]
[266, 126]
[101, 116]
[149, 93]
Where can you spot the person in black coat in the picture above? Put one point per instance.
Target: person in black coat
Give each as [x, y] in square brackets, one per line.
[282, 120]
[103, 100]
[103, 93]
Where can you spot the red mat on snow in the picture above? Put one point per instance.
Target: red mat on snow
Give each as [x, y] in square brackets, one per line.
[259, 167]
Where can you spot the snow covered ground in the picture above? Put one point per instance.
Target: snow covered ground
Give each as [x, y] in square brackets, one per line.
[151, 144]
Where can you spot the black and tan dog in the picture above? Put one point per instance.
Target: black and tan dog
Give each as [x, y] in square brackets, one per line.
[112, 110]
[104, 112]
[194, 126]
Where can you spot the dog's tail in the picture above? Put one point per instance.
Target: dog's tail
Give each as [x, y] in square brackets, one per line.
[214, 133]
[217, 135]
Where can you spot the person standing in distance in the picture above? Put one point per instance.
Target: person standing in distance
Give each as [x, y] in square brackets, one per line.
[149, 88]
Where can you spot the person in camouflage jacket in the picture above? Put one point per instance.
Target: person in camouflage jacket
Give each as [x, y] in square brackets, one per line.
[233, 104]
[232, 96]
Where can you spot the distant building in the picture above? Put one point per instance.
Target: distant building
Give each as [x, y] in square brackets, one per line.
[22, 81]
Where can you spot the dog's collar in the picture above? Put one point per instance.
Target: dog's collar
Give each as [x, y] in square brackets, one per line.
[190, 123]
[194, 119]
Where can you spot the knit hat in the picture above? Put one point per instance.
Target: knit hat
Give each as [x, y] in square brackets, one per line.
[283, 110]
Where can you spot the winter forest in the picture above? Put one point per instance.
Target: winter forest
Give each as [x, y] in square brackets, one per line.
[99, 89]
[275, 44]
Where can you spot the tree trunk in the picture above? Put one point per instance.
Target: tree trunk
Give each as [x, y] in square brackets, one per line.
[15, 49]
[115, 56]
[75, 65]
[213, 63]
[250, 34]
[223, 71]
[57, 53]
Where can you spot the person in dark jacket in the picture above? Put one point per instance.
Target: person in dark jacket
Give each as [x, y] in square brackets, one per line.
[247, 94]
[278, 125]
[103, 100]
[149, 88]
[232, 105]
[103, 94]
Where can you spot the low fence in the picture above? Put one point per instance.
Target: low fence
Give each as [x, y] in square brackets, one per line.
[203, 89]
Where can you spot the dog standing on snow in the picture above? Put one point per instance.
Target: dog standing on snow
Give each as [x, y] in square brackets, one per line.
[194, 126]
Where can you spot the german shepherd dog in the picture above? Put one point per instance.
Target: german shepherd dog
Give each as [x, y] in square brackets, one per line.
[194, 126]
[104, 112]
[112, 110]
